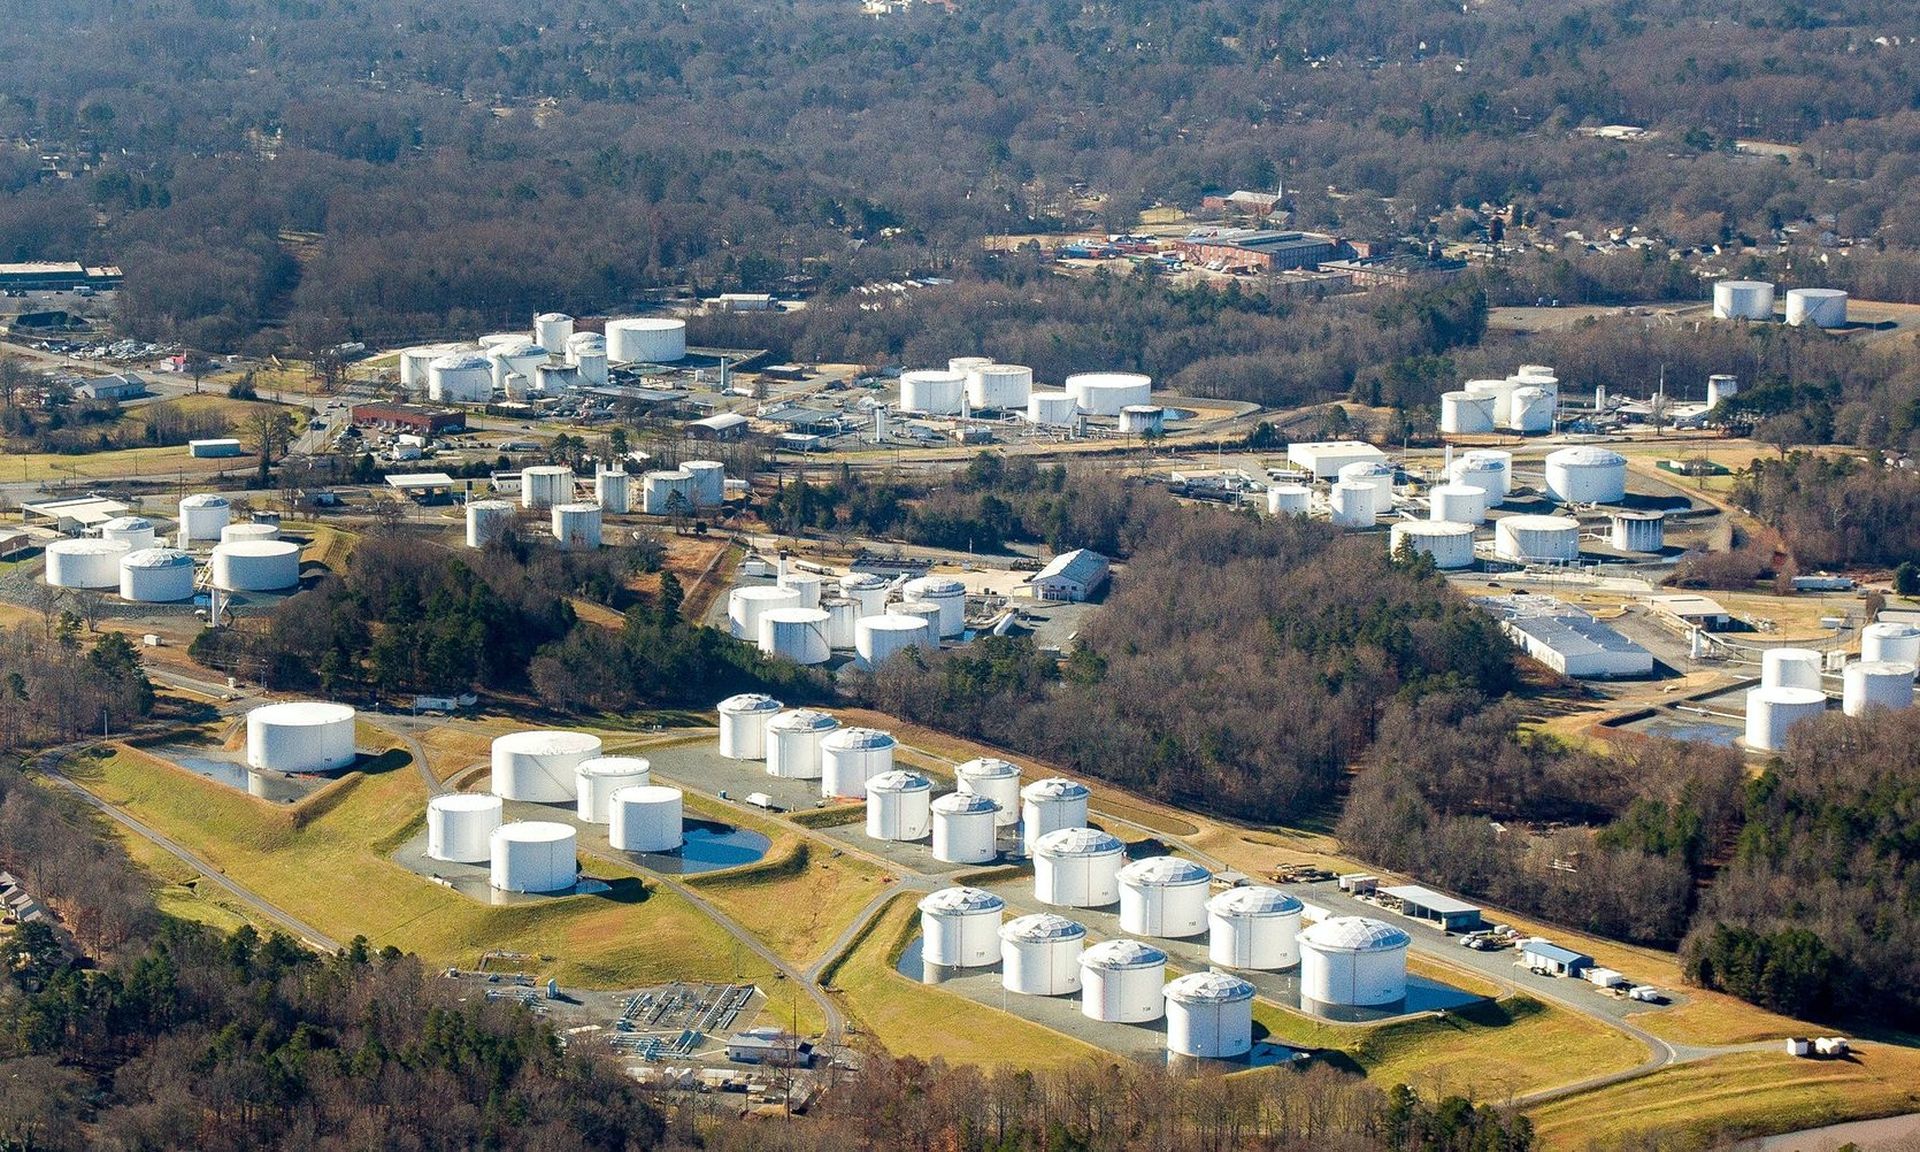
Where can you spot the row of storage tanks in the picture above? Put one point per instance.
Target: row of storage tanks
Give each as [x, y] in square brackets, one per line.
[516, 363]
[580, 524]
[1525, 402]
[977, 384]
[1792, 683]
[1343, 961]
[795, 617]
[130, 554]
[1754, 299]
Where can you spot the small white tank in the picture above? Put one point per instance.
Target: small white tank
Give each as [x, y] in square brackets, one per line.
[1164, 896]
[1537, 539]
[843, 621]
[667, 493]
[849, 757]
[596, 780]
[746, 605]
[1743, 300]
[1817, 307]
[1485, 470]
[1353, 961]
[1642, 532]
[1253, 927]
[202, 515]
[806, 584]
[487, 520]
[709, 482]
[1040, 954]
[1049, 805]
[1772, 712]
[743, 725]
[1450, 545]
[460, 826]
[930, 613]
[963, 829]
[136, 532]
[1107, 393]
[899, 806]
[1351, 505]
[613, 489]
[948, 594]
[1143, 420]
[645, 818]
[1052, 409]
[1209, 1016]
[932, 392]
[460, 378]
[1121, 981]
[252, 530]
[534, 856]
[876, 639]
[998, 780]
[999, 387]
[1791, 668]
[1890, 642]
[793, 743]
[1531, 410]
[256, 566]
[1721, 388]
[1375, 474]
[553, 331]
[1465, 414]
[867, 590]
[1865, 686]
[538, 766]
[1586, 474]
[576, 527]
[85, 563]
[960, 927]
[796, 634]
[1289, 500]
[1077, 868]
[544, 485]
[156, 576]
[1458, 503]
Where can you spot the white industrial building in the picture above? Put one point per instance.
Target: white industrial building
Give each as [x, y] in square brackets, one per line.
[1325, 458]
[1567, 639]
[1071, 576]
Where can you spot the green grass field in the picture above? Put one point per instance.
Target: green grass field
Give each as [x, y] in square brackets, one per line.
[797, 903]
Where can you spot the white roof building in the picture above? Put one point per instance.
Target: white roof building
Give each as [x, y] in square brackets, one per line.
[1325, 458]
[1567, 639]
[1071, 576]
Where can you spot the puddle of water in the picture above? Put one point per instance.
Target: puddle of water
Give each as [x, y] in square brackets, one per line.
[707, 847]
[239, 777]
[1692, 729]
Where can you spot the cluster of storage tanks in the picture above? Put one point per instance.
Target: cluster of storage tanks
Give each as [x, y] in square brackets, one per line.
[1754, 300]
[975, 384]
[578, 524]
[1793, 683]
[1525, 402]
[132, 555]
[803, 618]
[519, 364]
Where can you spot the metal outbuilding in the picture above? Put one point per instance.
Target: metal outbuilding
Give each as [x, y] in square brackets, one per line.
[1426, 904]
[1543, 956]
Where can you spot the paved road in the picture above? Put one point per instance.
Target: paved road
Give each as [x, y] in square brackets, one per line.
[404, 727]
[1887, 1132]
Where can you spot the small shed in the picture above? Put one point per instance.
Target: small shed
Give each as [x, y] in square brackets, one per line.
[1542, 956]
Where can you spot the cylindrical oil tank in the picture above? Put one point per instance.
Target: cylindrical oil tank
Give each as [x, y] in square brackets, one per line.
[1791, 668]
[963, 828]
[460, 378]
[494, 340]
[743, 725]
[746, 606]
[545, 485]
[202, 515]
[1209, 1016]
[1121, 981]
[1289, 500]
[1499, 397]
[538, 766]
[666, 493]
[487, 520]
[1049, 805]
[999, 387]
[960, 927]
[136, 532]
[843, 619]
[709, 482]
[1543, 539]
[966, 364]
[1721, 388]
[1106, 393]
[156, 576]
[1077, 868]
[1353, 961]
[552, 330]
[576, 527]
[1164, 896]
[878, 638]
[806, 584]
[1742, 300]
[596, 780]
[1586, 474]
[252, 530]
[1052, 409]
[1771, 712]
[849, 757]
[1531, 409]
[1450, 545]
[1040, 954]
[932, 392]
[534, 856]
[518, 358]
[868, 590]
[256, 566]
[1876, 685]
[899, 806]
[996, 779]
[1820, 307]
[1375, 474]
[587, 352]
[82, 562]
[1458, 503]
[645, 818]
[613, 490]
[1638, 531]
[1465, 414]
[1890, 642]
[1253, 927]
[1488, 473]
[1143, 420]
[949, 594]
[796, 634]
[415, 361]
[460, 826]
[646, 340]
[923, 610]
[793, 743]
[1352, 505]
[584, 342]
[300, 736]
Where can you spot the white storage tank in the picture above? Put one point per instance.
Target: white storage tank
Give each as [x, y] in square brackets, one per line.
[878, 638]
[960, 927]
[587, 353]
[999, 387]
[538, 767]
[1049, 805]
[1143, 420]
[460, 378]
[1164, 896]
[534, 856]
[253, 530]
[1351, 505]
[949, 594]
[1077, 868]
[488, 520]
[899, 806]
[1819, 307]
[1528, 539]
[646, 340]
[613, 491]
[414, 364]
[546, 485]
[645, 818]
[796, 634]
[576, 527]
[1485, 471]
[1353, 961]
[1121, 982]
[256, 566]
[1106, 393]
[1644, 532]
[1457, 503]
[85, 563]
[1498, 394]
[849, 757]
[1209, 1016]
[156, 576]
[1450, 545]
[1052, 409]
[996, 779]
[966, 364]
[1721, 388]
[932, 392]
[1289, 500]
[709, 482]
[866, 589]
[1465, 414]
[1890, 642]
[136, 532]
[460, 826]
[793, 743]
[596, 780]
[746, 606]
[494, 340]
[922, 610]
[1375, 474]
[1876, 685]
[1253, 927]
[202, 515]
[1531, 409]
[743, 725]
[843, 621]
[300, 736]
[1040, 954]
[1742, 300]
[664, 493]
[1791, 668]
[552, 330]
[1771, 712]
[963, 828]
[1586, 474]
[516, 358]
[807, 584]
